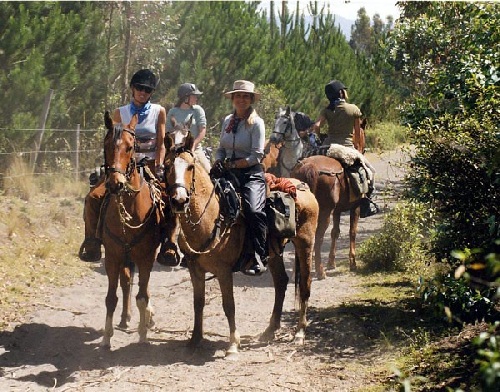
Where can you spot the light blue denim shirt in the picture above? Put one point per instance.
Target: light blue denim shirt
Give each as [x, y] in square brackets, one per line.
[183, 115]
[248, 142]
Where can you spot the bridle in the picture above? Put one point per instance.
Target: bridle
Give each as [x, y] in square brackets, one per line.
[168, 166]
[131, 166]
[212, 241]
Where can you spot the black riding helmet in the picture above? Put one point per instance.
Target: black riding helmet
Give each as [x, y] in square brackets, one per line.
[187, 89]
[332, 89]
[144, 77]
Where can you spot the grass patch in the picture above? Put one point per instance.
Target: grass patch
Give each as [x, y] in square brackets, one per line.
[385, 136]
[39, 250]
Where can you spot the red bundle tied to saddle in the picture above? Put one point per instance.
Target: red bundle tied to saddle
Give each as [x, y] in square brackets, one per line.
[281, 184]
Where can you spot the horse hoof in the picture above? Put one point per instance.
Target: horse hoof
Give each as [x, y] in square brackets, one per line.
[105, 344]
[332, 266]
[353, 267]
[232, 353]
[123, 325]
[321, 275]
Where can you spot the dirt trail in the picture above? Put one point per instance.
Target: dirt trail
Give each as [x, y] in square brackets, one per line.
[57, 349]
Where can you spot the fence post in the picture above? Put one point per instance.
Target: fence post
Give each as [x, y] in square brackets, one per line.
[77, 152]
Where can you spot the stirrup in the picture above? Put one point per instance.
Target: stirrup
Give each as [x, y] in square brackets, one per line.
[90, 250]
[257, 267]
[168, 255]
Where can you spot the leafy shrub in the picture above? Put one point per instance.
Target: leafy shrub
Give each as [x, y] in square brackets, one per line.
[488, 344]
[456, 299]
[402, 242]
[451, 170]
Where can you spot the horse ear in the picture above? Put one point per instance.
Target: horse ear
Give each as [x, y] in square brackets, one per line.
[288, 109]
[189, 141]
[168, 142]
[108, 121]
[133, 121]
[189, 122]
[173, 121]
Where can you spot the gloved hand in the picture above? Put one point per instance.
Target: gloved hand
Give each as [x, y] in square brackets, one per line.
[217, 170]
[160, 172]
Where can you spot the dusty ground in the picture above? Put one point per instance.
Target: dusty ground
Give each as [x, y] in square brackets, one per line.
[57, 347]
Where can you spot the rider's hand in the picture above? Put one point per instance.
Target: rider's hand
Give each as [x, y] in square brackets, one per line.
[160, 171]
[217, 170]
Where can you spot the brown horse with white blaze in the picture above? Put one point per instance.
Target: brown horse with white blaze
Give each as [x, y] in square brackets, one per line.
[130, 219]
[193, 197]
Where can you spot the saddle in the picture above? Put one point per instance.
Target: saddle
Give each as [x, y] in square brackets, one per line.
[280, 203]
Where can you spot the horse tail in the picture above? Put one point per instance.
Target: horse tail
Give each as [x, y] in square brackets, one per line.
[297, 276]
[307, 173]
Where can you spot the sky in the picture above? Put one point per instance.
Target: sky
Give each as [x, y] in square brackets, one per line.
[349, 8]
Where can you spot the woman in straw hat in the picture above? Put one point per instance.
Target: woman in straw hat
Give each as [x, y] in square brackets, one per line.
[240, 151]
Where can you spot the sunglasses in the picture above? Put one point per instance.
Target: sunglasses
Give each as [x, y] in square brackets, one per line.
[146, 89]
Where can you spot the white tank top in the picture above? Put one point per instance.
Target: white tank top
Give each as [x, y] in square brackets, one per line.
[145, 131]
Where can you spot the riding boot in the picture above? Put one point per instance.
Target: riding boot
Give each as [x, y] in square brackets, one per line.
[90, 250]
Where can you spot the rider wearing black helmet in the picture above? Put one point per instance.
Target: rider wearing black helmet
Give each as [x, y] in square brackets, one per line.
[150, 133]
[342, 117]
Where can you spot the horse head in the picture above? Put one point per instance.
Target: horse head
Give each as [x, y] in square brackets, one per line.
[180, 131]
[119, 152]
[284, 127]
[179, 171]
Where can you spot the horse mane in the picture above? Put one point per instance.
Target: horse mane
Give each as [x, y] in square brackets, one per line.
[307, 172]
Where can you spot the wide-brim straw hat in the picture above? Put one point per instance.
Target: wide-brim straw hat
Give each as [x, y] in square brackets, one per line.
[243, 86]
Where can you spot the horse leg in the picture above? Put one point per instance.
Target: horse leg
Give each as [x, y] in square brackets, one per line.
[198, 282]
[334, 237]
[353, 229]
[280, 280]
[112, 270]
[142, 298]
[126, 277]
[303, 256]
[225, 279]
[323, 222]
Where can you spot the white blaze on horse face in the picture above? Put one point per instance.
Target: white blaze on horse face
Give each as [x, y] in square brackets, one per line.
[180, 167]
[179, 136]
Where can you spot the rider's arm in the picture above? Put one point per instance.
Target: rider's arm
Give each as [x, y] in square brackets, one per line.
[319, 122]
[160, 137]
[356, 137]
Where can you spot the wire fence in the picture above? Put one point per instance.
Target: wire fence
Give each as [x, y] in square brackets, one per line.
[61, 152]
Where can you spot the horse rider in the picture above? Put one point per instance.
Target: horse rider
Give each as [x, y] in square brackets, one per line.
[150, 129]
[240, 151]
[187, 108]
[341, 117]
[344, 128]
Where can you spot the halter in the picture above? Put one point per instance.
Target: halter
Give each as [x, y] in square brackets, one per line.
[290, 126]
[171, 188]
[131, 166]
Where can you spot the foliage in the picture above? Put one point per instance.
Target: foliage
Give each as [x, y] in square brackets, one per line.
[385, 136]
[456, 300]
[401, 244]
[444, 55]
[488, 349]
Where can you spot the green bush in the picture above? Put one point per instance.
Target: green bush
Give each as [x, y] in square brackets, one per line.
[488, 345]
[385, 136]
[402, 242]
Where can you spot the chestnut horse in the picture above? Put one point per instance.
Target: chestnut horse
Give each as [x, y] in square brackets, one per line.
[326, 178]
[208, 249]
[130, 219]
